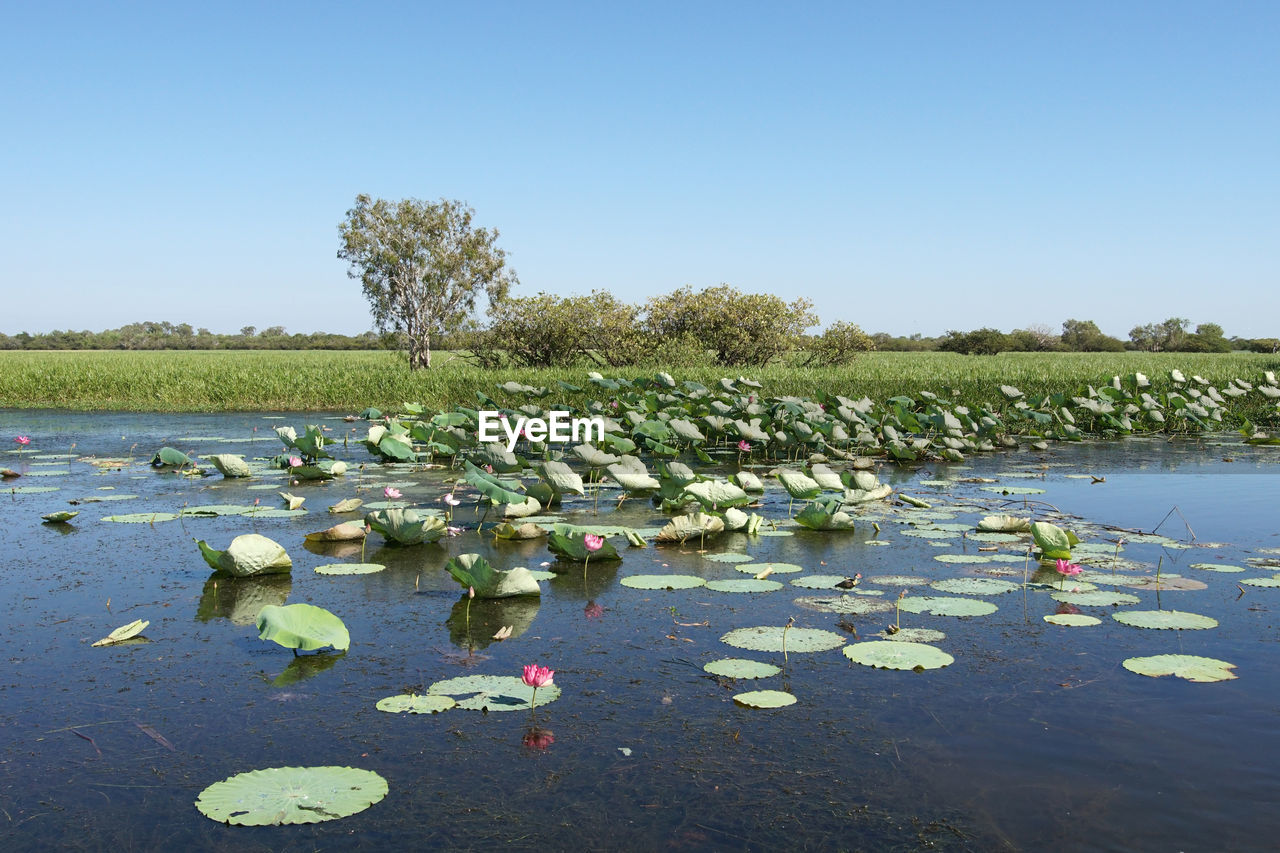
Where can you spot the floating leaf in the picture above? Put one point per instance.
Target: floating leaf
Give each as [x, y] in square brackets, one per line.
[1190, 667]
[744, 585]
[773, 568]
[941, 605]
[728, 558]
[1100, 598]
[142, 517]
[1004, 524]
[302, 626]
[350, 569]
[1013, 490]
[912, 635]
[767, 638]
[896, 580]
[975, 586]
[493, 692]
[819, 581]
[406, 526]
[662, 581]
[410, 703]
[124, 632]
[60, 516]
[1217, 567]
[857, 605]
[288, 795]
[1165, 619]
[1262, 582]
[887, 654]
[765, 699]
[214, 510]
[741, 668]
[508, 531]
[1072, 619]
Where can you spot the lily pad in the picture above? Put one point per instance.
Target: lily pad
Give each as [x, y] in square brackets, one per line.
[728, 558]
[1262, 582]
[493, 692]
[348, 505]
[1217, 567]
[1013, 490]
[896, 580]
[1165, 619]
[744, 585]
[60, 516]
[288, 795]
[857, 605]
[411, 703]
[776, 568]
[1099, 598]
[124, 632]
[912, 635]
[662, 581]
[886, 654]
[1072, 619]
[765, 699]
[974, 586]
[349, 569]
[1190, 667]
[819, 581]
[741, 668]
[142, 517]
[768, 638]
[302, 626]
[945, 605]
[963, 558]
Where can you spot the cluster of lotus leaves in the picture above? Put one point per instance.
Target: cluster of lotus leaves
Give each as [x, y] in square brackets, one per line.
[248, 555]
[474, 571]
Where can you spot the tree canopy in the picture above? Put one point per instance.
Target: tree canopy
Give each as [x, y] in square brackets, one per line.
[423, 265]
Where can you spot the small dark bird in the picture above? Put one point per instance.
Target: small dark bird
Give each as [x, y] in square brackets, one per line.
[850, 583]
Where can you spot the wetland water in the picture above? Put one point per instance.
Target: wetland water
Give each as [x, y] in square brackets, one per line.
[1035, 737]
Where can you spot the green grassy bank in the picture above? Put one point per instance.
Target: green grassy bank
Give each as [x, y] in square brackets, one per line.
[200, 381]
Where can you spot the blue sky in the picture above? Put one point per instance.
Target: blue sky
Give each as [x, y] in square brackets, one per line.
[911, 167]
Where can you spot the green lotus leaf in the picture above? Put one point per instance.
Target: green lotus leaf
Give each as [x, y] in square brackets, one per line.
[743, 585]
[569, 543]
[248, 554]
[348, 505]
[943, 605]
[230, 464]
[343, 532]
[747, 481]
[562, 479]
[765, 699]
[728, 557]
[493, 692]
[820, 581]
[302, 626]
[214, 510]
[975, 586]
[510, 532]
[662, 581]
[1054, 542]
[60, 516]
[406, 526]
[633, 479]
[288, 795]
[1079, 620]
[773, 568]
[350, 569]
[141, 517]
[498, 491]
[963, 558]
[741, 668]
[1165, 619]
[912, 635]
[1217, 567]
[886, 654]
[1190, 667]
[699, 525]
[124, 632]
[816, 516]
[594, 456]
[798, 485]
[410, 703]
[522, 508]
[1272, 582]
[896, 580]
[167, 457]
[475, 572]
[769, 638]
[717, 494]
[856, 605]
[1100, 598]
[1012, 490]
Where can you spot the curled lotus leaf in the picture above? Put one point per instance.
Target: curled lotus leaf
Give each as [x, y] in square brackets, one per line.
[695, 526]
[343, 532]
[230, 464]
[302, 626]
[248, 554]
[124, 632]
[290, 795]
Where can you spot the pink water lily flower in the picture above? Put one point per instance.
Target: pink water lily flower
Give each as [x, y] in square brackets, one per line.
[295, 461]
[1069, 568]
[392, 494]
[538, 676]
[451, 500]
[23, 440]
[744, 447]
[593, 542]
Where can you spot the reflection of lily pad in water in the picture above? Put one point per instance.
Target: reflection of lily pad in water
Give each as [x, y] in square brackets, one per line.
[288, 795]
[744, 585]
[765, 699]
[240, 599]
[1078, 620]
[741, 668]
[883, 654]
[305, 666]
[488, 616]
[414, 704]
[493, 692]
[768, 638]
[945, 605]
[1165, 619]
[662, 581]
[1190, 667]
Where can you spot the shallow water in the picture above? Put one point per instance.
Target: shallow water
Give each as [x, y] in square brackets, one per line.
[1035, 737]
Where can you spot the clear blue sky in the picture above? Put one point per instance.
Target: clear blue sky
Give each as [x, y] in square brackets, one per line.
[912, 167]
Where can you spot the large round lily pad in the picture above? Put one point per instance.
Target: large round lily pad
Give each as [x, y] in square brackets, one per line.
[777, 568]
[412, 703]
[493, 692]
[1217, 567]
[349, 568]
[768, 638]
[728, 558]
[1263, 582]
[1077, 620]
[744, 585]
[946, 605]
[974, 586]
[819, 581]
[765, 699]
[912, 635]
[285, 795]
[851, 604]
[887, 654]
[142, 517]
[662, 581]
[896, 580]
[1165, 619]
[1099, 598]
[1190, 667]
[741, 668]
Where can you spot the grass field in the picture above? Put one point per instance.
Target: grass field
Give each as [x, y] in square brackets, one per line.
[247, 380]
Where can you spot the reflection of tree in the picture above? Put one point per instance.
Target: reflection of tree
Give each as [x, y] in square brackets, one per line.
[600, 578]
[305, 666]
[240, 599]
[336, 550]
[487, 616]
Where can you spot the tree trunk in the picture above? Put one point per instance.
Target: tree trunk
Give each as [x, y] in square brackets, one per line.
[420, 351]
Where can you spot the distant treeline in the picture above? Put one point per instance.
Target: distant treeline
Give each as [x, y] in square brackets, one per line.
[1173, 335]
[157, 336]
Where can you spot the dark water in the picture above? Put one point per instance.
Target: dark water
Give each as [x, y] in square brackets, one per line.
[1035, 738]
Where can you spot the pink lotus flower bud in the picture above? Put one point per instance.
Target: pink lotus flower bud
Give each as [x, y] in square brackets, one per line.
[22, 440]
[593, 542]
[392, 494]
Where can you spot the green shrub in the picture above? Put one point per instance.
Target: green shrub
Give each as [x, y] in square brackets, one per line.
[839, 344]
[742, 329]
